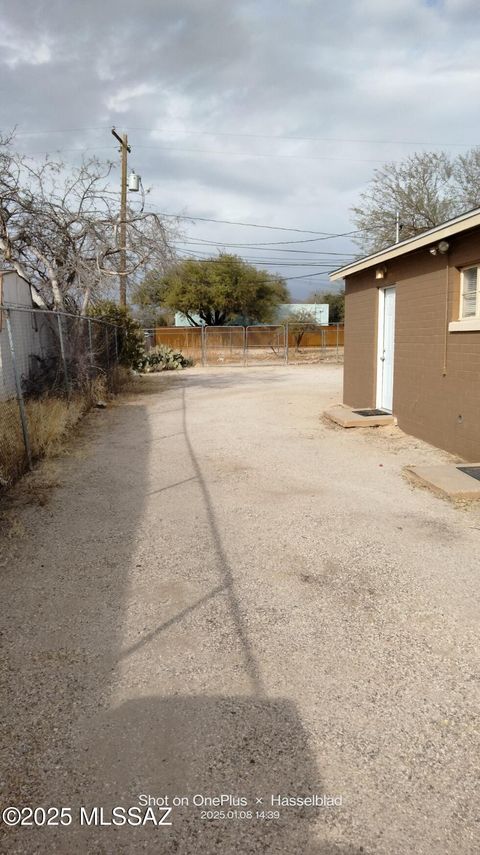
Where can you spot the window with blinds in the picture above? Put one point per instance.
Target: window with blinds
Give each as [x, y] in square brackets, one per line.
[470, 302]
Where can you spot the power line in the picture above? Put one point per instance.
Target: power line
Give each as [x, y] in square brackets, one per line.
[272, 275]
[326, 265]
[207, 256]
[207, 151]
[189, 132]
[268, 243]
[59, 131]
[254, 225]
[269, 156]
[311, 262]
[298, 138]
[258, 247]
[303, 276]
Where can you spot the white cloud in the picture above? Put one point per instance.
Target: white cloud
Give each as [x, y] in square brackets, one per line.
[18, 48]
[121, 101]
[356, 76]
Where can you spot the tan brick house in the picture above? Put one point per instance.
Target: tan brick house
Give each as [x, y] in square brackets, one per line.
[412, 334]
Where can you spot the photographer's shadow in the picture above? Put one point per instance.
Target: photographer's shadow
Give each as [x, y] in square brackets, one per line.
[250, 748]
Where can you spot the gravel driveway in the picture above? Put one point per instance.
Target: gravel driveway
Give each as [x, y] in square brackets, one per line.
[227, 596]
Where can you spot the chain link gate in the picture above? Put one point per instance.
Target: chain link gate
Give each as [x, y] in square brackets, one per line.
[310, 343]
[266, 345]
[274, 344]
[224, 345]
[252, 345]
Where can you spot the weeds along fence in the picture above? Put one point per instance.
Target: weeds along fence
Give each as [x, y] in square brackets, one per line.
[53, 366]
[253, 345]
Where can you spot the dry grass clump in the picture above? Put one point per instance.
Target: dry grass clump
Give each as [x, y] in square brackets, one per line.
[127, 382]
[123, 380]
[12, 452]
[50, 420]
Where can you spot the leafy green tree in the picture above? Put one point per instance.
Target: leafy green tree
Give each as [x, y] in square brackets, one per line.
[130, 334]
[336, 303]
[218, 290]
[147, 294]
[152, 317]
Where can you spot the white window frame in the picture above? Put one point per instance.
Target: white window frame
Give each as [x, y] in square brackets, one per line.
[476, 316]
[467, 323]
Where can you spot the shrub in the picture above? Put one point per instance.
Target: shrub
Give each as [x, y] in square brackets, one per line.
[162, 358]
[131, 346]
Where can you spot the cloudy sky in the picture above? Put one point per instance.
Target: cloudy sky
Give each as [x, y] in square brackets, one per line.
[265, 112]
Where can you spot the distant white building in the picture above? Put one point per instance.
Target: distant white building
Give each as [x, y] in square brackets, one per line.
[181, 320]
[318, 310]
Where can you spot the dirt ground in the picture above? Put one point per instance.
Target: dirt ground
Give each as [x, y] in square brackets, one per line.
[215, 592]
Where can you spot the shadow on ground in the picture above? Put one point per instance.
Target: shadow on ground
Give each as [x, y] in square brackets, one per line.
[208, 746]
[63, 601]
[73, 748]
[222, 378]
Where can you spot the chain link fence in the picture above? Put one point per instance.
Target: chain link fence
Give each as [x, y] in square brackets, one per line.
[223, 345]
[53, 367]
[311, 343]
[277, 344]
[188, 340]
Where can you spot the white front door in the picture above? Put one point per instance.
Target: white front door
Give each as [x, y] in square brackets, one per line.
[386, 346]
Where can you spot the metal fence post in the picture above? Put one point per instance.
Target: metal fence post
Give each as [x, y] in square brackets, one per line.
[337, 342]
[90, 341]
[116, 344]
[203, 336]
[244, 346]
[107, 350]
[286, 344]
[64, 359]
[18, 389]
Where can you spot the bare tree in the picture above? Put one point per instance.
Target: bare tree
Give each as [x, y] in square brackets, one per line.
[423, 189]
[58, 228]
[300, 323]
[466, 174]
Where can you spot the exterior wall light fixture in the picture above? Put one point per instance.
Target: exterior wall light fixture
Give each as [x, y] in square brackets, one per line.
[441, 248]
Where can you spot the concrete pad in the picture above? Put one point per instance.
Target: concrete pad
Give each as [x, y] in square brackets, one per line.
[447, 480]
[347, 417]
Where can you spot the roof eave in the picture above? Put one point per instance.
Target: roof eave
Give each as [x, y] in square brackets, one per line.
[445, 230]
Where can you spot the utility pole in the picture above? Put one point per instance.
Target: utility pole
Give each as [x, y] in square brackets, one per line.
[122, 242]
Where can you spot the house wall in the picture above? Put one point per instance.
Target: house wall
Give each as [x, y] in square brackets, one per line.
[32, 332]
[436, 392]
[360, 341]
